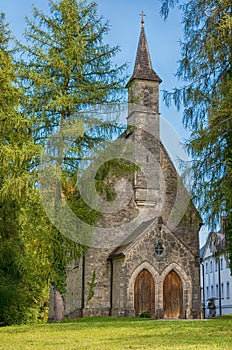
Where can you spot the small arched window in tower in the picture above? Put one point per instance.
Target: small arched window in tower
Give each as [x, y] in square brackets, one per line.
[146, 97]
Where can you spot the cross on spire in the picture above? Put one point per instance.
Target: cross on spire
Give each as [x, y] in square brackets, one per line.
[142, 14]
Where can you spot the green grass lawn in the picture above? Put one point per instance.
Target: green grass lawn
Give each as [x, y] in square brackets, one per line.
[120, 333]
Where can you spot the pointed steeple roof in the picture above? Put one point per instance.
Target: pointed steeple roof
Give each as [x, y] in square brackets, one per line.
[143, 66]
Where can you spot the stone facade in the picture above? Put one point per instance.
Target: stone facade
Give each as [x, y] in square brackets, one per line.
[164, 243]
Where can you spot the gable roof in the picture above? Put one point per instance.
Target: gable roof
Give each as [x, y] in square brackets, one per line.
[216, 243]
[132, 238]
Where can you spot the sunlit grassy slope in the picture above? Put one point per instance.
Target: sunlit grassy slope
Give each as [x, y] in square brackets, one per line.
[120, 333]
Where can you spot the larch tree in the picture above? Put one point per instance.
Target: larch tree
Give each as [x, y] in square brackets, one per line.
[19, 286]
[65, 68]
[205, 68]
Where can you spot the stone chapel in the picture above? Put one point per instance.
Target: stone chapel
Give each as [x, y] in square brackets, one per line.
[155, 268]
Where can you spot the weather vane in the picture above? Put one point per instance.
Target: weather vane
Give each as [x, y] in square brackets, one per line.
[142, 14]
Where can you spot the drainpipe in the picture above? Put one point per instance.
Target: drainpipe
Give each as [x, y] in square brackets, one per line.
[111, 286]
[83, 285]
[219, 285]
[203, 288]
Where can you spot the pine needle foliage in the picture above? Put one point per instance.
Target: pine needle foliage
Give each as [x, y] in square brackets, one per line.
[65, 69]
[18, 289]
[206, 70]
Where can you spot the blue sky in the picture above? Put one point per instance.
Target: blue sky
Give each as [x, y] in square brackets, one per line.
[123, 15]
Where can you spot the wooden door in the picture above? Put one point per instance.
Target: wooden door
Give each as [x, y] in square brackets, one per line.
[144, 293]
[173, 296]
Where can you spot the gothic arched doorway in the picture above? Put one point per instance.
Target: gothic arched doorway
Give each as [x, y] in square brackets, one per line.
[144, 293]
[173, 296]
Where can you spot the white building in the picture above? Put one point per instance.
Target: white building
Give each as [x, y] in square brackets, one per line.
[216, 279]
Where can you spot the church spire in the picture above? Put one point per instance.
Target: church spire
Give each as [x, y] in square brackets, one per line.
[143, 66]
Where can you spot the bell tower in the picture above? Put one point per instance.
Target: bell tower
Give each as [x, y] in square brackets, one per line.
[143, 116]
[143, 86]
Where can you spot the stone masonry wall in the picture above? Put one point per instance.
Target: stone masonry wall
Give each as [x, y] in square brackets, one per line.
[181, 252]
[74, 291]
[176, 256]
[97, 260]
